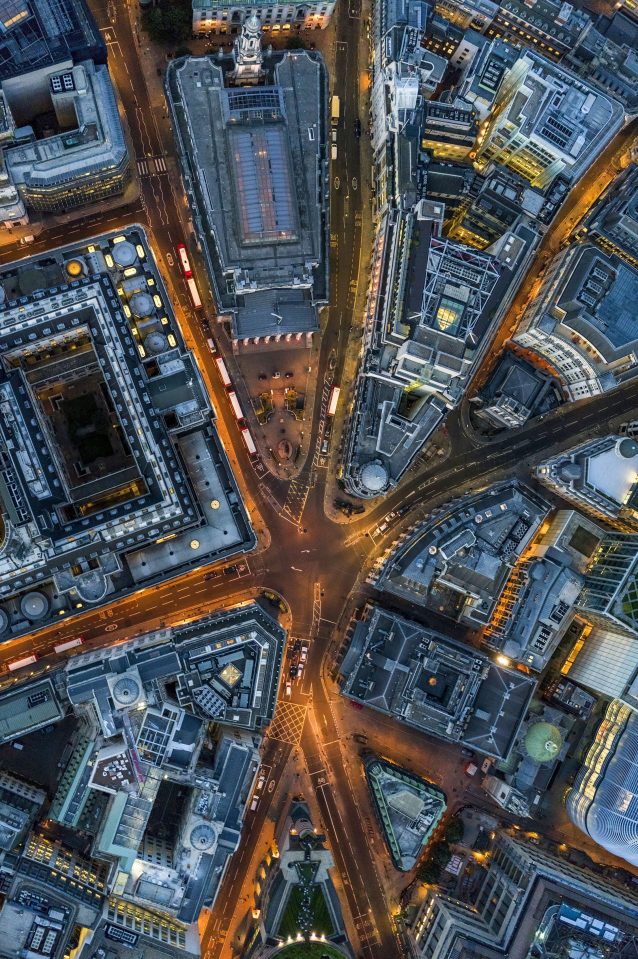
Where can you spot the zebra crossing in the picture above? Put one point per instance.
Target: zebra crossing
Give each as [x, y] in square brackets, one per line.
[151, 165]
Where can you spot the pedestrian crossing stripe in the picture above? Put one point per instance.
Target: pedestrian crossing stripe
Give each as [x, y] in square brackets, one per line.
[152, 165]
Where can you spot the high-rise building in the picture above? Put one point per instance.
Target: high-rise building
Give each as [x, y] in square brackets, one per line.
[610, 594]
[529, 902]
[544, 121]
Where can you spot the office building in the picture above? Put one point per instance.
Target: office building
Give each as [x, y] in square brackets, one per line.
[538, 601]
[214, 17]
[61, 139]
[610, 595]
[20, 804]
[603, 801]
[468, 14]
[544, 121]
[516, 391]
[395, 28]
[482, 79]
[580, 324]
[449, 131]
[25, 709]
[34, 925]
[256, 173]
[86, 161]
[408, 809]
[553, 28]
[612, 222]
[432, 309]
[458, 563]
[113, 473]
[295, 895]
[609, 63]
[493, 211]
[138, 765]
[435, 684]
[600, 477]
[39, 36]
[528, 902]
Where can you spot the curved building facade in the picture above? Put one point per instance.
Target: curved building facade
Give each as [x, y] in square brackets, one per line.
[604, 799]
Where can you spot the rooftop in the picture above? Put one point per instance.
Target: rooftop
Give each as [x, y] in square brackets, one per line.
[105, 420]
[434, 683]
[458, 563]
[254, 166]
[409, 810]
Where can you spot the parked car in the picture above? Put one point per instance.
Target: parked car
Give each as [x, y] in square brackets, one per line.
[357, 127]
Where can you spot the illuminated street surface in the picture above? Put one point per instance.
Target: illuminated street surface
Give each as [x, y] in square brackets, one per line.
[303, 756]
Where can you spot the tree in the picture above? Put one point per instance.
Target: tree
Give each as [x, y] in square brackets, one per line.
[295, 42]
[168, 23]
[454, 830]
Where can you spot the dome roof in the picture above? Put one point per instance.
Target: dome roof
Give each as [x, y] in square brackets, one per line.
[142, 304]
[374, 476]
[627, 448]
[202, 836]
[124, 254]
[34, 605]
[125, 690]
[543, 742]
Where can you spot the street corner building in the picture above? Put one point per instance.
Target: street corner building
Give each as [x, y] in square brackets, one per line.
[160, 760]
[252, 135]
[435, 684]
[62, 144]
[112, 476]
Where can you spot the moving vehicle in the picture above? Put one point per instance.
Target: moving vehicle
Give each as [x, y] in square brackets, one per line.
[21, 663]
[288, 689]
[304, 654]
[249, 441]
[333, 151]
[68, 644]
[210, 343]
[194, 292]
[325, 446]
[27, 239]
[236, 405]
[184, 261]
[335, 110]
[332, 402]
[223, 372]
[253, 804]
[357, 127]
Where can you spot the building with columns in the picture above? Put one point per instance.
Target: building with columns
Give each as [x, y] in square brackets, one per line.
[214, 17]
[252, 131]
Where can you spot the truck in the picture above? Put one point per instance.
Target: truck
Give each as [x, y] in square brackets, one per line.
[335, 110]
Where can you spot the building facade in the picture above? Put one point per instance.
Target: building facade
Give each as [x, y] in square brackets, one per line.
[211, 18]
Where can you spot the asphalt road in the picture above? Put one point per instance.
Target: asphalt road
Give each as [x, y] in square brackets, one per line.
[318, 566]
